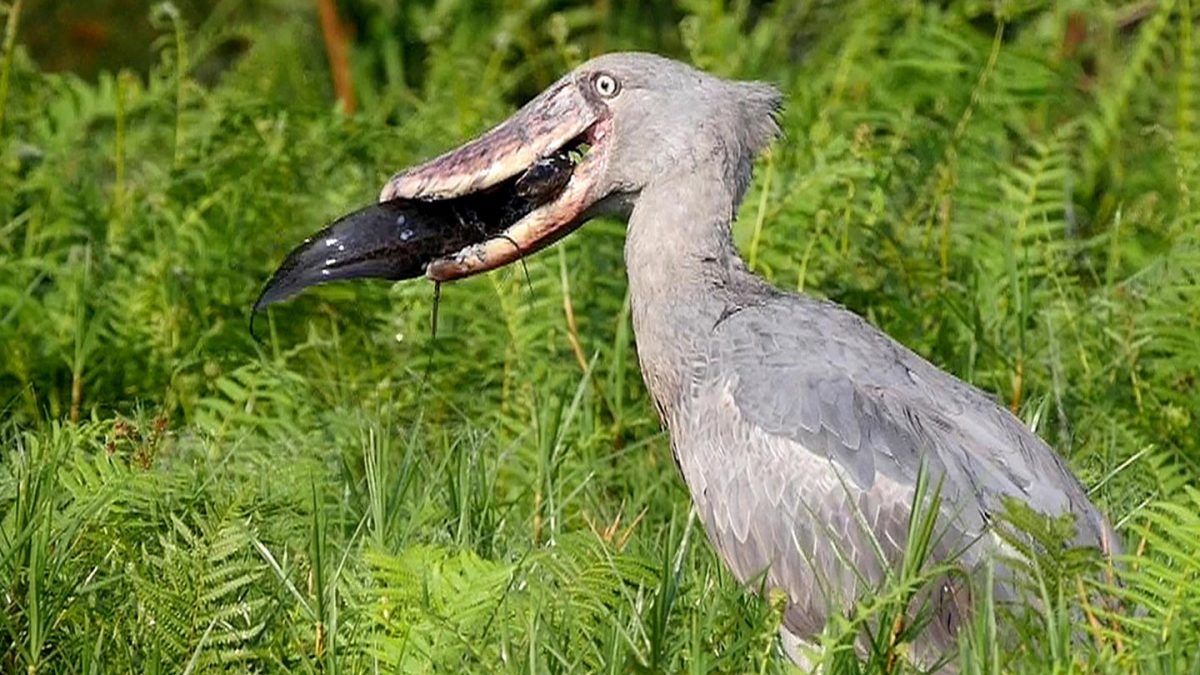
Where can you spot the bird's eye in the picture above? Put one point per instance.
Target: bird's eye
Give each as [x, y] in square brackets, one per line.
[605, 85]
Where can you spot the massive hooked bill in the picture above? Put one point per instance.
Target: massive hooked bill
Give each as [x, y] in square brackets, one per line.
[397, 239]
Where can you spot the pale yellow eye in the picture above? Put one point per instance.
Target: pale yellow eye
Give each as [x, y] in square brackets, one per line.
[606, 85]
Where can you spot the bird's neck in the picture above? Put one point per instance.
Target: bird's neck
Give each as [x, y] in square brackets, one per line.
[683, 272]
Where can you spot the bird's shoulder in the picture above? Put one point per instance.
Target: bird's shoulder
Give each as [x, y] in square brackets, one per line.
[819, 375]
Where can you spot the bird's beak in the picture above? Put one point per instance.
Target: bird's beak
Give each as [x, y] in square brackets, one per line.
[560, 122]
[504, 195]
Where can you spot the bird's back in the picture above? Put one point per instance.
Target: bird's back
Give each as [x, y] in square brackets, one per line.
[800, 432]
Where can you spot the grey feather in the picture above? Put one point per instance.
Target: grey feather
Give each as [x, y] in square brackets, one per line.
[798, 427]
[749, 422]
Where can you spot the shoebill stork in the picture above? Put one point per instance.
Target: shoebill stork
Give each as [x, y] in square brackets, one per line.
[798, 427]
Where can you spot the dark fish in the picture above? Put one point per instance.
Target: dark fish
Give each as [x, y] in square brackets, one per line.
[397, 239]
[545, 179]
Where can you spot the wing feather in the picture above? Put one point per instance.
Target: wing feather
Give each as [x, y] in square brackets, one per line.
[801, 439]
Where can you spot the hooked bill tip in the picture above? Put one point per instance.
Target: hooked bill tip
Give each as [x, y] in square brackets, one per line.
[389, 240]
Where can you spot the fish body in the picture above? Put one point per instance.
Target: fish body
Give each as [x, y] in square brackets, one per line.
[398, 238]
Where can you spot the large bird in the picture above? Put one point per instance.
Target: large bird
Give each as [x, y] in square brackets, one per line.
[799, 428]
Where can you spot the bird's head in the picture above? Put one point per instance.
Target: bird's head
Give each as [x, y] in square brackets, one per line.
[626, 120]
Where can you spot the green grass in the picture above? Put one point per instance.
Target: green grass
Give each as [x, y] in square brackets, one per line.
[351, 495]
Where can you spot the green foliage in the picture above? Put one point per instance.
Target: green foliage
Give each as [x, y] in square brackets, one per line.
[439, 608]
[197, 596]
[1009, 188]
[893, 615]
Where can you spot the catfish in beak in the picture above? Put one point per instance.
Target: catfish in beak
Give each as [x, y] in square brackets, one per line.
[512, 191]
[572, 119]
[398, 238]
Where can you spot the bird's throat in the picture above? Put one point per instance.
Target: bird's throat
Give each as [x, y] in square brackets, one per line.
[681, 260]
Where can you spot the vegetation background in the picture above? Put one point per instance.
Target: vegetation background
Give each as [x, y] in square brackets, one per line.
[1007, 187]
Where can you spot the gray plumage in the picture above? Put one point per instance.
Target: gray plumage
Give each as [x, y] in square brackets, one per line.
[796, 424]
[799, 428]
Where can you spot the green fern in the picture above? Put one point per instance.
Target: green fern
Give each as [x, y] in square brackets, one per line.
[197, 598]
